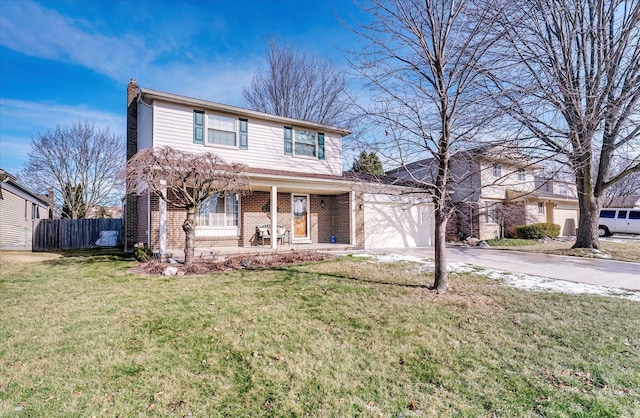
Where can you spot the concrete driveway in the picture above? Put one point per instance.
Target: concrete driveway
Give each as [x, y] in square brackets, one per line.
[620, 274]
[617, 274]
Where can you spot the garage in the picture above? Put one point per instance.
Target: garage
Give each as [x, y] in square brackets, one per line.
[397, 221]
[567, 219]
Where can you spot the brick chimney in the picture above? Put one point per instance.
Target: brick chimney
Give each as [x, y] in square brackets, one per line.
[130, 214]
[132, 118]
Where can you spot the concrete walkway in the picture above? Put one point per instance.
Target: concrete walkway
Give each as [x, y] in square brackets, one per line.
[618, 274]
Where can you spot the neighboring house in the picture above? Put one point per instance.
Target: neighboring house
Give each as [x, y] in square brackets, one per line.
[295, 173]
[19, 207]
[495, 189]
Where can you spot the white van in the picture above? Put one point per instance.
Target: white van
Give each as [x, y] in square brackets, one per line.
[619, 221]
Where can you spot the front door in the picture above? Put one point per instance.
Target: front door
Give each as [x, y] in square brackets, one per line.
[300, 216]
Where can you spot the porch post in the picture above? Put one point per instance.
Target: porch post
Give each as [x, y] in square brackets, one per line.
[162, 218]
[274, 217]
[352, 221]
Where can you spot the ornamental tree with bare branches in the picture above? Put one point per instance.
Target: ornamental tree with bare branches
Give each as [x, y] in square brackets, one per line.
[299, 85]
[571, 78]
[183, 180]
[421, 65]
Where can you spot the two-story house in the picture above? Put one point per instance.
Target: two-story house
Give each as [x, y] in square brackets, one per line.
[295, 173]
[19, 208]
[494, 189]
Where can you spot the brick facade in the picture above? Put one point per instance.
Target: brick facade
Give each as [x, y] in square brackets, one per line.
[329, 216]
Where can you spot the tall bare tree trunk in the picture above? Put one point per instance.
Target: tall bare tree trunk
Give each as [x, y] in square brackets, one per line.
[587, 235]
[189, 228]
[441, 279]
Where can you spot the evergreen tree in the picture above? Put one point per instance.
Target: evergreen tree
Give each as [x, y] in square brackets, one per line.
[368, 163]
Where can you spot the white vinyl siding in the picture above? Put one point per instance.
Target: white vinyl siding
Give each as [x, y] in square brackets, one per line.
[16, 219]
[173, 126]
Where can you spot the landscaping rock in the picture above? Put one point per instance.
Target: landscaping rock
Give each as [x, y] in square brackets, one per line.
[170, 271]
[172, 260]
[484, 244]
[219, 259]
[473, 242]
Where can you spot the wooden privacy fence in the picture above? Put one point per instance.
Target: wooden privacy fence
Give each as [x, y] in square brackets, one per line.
[72, 234]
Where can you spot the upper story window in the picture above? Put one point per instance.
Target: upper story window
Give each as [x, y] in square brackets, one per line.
[220, 130]
[521, 174]
[497, 170]
[301, 142]
[562, 188]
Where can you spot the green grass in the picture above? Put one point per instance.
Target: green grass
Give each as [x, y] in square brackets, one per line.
[80, 336]
[511, 242]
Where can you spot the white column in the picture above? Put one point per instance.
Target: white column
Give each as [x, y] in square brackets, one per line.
[274, 217]
[352, 211]
[162, 217]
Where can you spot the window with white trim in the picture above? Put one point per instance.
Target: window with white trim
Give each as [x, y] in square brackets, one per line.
[221, 130]
[541, 208]
[521, 174]
[497, 170]
[217, 130]
[219, 210]
[303, 143]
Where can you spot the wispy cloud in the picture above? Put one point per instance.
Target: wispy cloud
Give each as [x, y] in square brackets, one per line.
[220, 83]
[18, 126]
[36, 31]
[18, 115]
[163, 62]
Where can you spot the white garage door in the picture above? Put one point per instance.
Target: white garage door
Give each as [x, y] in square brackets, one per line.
[567, 219]
[395, 223]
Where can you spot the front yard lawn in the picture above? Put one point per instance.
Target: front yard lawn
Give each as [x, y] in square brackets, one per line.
[82, 336]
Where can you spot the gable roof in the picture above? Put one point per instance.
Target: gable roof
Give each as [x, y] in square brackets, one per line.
[499, 153]
[9, 183]
[148, 95]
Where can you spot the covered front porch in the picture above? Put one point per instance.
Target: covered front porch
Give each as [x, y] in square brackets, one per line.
[316, 213]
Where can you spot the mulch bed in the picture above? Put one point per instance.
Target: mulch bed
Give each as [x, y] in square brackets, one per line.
[233, 262]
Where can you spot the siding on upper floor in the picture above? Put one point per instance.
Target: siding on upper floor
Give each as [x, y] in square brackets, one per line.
[173, 126]
[495, 187]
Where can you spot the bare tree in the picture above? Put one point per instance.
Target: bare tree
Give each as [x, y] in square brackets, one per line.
[421, 64]
[299, 85]
[571, 78]
[624, 192]
[81, 159]
[183, 180]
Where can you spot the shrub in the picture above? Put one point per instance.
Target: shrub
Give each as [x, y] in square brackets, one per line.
[142, 252]
[538, 231]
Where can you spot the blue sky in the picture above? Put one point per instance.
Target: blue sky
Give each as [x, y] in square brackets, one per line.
[64, 61]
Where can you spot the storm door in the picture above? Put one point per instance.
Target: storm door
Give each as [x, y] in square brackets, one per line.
[300, 216]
